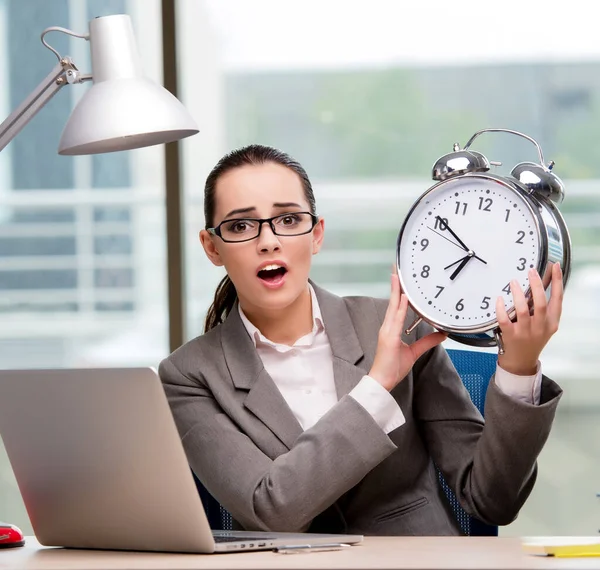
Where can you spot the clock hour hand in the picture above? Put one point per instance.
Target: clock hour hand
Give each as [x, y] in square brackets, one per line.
[463, 262]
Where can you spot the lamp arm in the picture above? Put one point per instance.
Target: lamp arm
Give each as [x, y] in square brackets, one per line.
[64, 73]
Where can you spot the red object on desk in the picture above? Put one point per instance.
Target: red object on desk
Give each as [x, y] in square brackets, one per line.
[10, 535]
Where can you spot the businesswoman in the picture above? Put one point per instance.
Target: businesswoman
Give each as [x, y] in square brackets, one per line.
[303, 411]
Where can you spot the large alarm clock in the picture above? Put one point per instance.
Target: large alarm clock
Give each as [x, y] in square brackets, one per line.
[471, 233]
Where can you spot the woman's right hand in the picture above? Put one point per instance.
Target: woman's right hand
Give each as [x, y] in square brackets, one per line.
[394, 358]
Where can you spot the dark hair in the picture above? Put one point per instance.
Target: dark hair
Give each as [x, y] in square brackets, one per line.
[255, 154]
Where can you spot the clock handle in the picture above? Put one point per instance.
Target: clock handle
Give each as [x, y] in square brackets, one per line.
[499, 342]
[510, 131]
[413, 326]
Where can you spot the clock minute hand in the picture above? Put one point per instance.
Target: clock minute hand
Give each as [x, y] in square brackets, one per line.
[442, 235]
[444, 225]
[451, 241]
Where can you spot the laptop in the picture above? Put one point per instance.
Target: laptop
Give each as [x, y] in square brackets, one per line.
[100, 465]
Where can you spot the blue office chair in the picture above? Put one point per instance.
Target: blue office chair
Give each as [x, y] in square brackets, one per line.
[218, 517]
[475, 370]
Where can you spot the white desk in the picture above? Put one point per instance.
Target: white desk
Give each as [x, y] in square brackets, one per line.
[373, 553]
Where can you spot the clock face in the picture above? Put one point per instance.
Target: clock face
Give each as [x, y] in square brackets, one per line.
[460, 247]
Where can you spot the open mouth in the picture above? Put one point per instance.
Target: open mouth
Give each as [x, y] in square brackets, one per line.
[272, 274]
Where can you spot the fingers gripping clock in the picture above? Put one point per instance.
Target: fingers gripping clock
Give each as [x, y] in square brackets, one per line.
[470, 234]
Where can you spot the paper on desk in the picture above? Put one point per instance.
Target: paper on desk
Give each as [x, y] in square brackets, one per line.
[562, 546]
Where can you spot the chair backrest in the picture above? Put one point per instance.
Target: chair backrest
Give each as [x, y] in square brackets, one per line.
[218, 517]
[475, 370]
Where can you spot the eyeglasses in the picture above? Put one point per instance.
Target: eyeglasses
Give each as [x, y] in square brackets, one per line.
[245, 229]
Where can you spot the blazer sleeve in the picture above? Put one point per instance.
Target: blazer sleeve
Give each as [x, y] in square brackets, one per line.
[491, 467]
[284, 494]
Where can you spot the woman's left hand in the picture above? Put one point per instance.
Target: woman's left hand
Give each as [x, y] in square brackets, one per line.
[525, 338]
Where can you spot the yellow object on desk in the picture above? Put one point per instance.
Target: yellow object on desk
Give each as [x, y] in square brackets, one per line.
[563, 546]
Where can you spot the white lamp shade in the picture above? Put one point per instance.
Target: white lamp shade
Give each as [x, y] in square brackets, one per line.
[122, 110]
[123, 114]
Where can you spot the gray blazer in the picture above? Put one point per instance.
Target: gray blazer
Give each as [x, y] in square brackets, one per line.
[345, 474]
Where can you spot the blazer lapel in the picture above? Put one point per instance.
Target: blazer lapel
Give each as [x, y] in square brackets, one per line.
[263, 398]
[345, 345]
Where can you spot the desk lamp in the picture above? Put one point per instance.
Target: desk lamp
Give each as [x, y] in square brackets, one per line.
[123, 110]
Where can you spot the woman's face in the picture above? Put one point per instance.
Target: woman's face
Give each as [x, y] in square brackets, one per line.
[263, 191]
